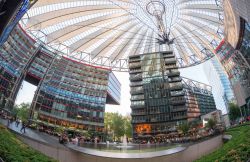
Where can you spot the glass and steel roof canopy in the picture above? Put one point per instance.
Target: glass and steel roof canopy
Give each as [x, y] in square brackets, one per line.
[106, 32]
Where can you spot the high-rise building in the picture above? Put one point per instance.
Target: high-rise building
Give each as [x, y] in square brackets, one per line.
[73, 95]
[156, 89]
[160, 99]
[238, 71]
[218, 79]
[15, 54]
[69, 93]
[237, 35]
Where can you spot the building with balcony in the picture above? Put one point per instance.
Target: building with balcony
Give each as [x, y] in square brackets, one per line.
[160, 98]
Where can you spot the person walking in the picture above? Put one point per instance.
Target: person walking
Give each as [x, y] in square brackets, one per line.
[23, 127]
[17, 122]
[8, 121]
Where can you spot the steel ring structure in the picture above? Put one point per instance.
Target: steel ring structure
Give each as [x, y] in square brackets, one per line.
[107, 32]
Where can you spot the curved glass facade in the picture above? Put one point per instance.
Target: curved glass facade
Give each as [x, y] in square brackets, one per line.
[15, 56]
[75, 93]
[218, 79]
[69, 93]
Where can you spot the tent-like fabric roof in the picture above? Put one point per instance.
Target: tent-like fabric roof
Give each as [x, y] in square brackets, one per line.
[106, 32]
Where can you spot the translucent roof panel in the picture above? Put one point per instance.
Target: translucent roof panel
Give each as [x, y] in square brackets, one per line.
[107, 32]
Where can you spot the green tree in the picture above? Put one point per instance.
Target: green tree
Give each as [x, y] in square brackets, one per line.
[211, 123]
[108, 125]
[234, 111]
[184, 128]
[116, 125]
[59, 129]
[195, 124]
[128, 126]
[23, 111]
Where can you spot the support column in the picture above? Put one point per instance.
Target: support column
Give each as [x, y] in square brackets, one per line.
[34, 102]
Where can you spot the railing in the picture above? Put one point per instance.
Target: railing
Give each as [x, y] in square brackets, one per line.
[135, 71]
[134, 65]
[138, 113]
[136, 84]
[137, 106]
[179, 109]
[135, 77]
[170, 60]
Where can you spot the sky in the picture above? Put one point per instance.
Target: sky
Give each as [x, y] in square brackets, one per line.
[27, 90]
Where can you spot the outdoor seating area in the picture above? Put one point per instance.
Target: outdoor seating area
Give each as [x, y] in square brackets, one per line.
[65, 135]
[183, 134]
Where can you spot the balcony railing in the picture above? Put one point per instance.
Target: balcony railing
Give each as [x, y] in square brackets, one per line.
[176, 101]
[137, 106]
[132, 71]
[139, 121]
[136, 91]
[179, 109]
[179, 117]
[179, 93]
[176, 86]
[136, 84]
[138, 113]
[174, 73]
[170, 60]
[136, 77]
[134, 65]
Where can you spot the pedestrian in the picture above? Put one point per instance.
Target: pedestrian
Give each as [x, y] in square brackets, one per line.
[8, 121]
[23, 127]
[17, 122]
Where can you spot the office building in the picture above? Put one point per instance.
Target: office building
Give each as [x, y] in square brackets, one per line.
[218, 79]
[238, 71]
[69, 93]
[237, 35]
[159, 98]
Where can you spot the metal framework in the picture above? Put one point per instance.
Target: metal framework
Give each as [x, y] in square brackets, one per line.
[201, 87]
[107, 32]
